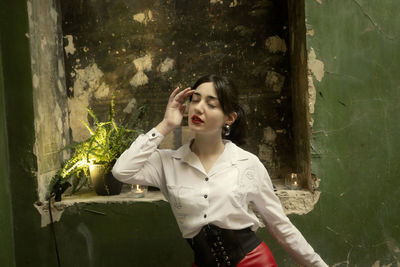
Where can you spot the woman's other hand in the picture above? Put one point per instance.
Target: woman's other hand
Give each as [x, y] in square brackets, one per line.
[174, 112]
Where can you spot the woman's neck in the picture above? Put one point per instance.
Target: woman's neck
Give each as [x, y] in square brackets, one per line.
[205, 146]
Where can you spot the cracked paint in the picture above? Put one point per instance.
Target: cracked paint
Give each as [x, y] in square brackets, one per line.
[102, 91]
[316, 69]
[70, 48]
[316, 66]
[143, 18]
[233, 4]
[139, 79]
[275, 44]
[87, 82]
[142, 64]
[131, 105]
[166, 65]
[312, 94]
[274, 81]
[373, 22]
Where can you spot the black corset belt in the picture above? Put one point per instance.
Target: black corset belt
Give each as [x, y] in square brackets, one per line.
[214, 246]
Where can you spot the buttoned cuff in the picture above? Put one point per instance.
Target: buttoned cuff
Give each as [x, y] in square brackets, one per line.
[155, 136]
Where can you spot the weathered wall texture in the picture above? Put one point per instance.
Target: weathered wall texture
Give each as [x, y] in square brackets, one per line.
[355, 153]
[147, 48]
[353, 59]
[50, 95]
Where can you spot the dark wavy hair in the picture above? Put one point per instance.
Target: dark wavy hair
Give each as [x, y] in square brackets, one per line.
[229, 99]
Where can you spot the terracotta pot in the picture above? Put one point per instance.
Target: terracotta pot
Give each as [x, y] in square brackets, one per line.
[104, 183]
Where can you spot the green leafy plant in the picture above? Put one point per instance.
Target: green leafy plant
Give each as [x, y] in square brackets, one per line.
[107, 141]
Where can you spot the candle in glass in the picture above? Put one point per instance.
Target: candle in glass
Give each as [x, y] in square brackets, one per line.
[138, 191]
[292, 181]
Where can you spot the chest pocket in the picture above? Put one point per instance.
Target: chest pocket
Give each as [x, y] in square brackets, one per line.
[181, 198]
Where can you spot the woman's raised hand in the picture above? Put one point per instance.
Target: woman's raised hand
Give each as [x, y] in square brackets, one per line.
[174, 112]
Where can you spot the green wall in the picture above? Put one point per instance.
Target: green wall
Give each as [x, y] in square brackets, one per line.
[355, 153]
[6, 229]
[356, 132]
[17, 109]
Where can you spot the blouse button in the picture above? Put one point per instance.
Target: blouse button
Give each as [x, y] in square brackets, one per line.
[206, 179]
[205, 196]
[153, 134]
[205, 216]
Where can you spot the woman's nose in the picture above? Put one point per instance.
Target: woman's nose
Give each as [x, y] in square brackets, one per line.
[199, 107]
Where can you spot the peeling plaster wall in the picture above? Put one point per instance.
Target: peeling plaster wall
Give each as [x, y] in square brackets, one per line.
[50, 95]
[354, 77]
[147, 48]
[354, 151]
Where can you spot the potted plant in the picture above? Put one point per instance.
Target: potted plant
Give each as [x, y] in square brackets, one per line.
[94, 157]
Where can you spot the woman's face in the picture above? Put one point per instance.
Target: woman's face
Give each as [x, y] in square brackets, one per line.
[205, 111]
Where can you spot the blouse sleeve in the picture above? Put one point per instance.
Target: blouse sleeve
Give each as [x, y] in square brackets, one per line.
[141, 162]
[280, 227]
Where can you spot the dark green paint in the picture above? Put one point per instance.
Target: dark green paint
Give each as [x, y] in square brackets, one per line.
[356, 131]
[6, 228]
[20, 130]
[355, 153]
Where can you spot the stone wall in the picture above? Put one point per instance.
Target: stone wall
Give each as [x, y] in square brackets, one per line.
[145, 49]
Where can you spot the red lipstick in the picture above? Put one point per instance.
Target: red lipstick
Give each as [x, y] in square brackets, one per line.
[196, 119]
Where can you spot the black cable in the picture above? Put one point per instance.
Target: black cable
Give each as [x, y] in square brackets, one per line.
[54, 233]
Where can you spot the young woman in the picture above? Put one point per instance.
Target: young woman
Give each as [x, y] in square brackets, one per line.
[210, 181]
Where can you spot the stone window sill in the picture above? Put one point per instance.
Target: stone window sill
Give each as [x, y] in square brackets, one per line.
[299, 202]
[293, 201]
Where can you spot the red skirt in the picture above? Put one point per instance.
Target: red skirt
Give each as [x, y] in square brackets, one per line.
[261, 256]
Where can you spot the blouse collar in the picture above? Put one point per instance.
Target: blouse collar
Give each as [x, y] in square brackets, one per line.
[230, 154]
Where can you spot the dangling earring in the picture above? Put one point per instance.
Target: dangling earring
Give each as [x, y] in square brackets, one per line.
[226, 129]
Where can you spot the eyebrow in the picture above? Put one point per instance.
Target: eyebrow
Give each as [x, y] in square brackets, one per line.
[208, 97]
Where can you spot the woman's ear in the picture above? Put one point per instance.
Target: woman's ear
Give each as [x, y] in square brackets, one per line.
[231, 118]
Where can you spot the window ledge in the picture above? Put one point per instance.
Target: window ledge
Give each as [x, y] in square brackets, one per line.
[90, 197]
[300, 201]
[293, 202]
[297, 201]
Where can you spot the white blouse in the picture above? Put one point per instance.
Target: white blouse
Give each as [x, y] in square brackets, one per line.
[220, 197]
